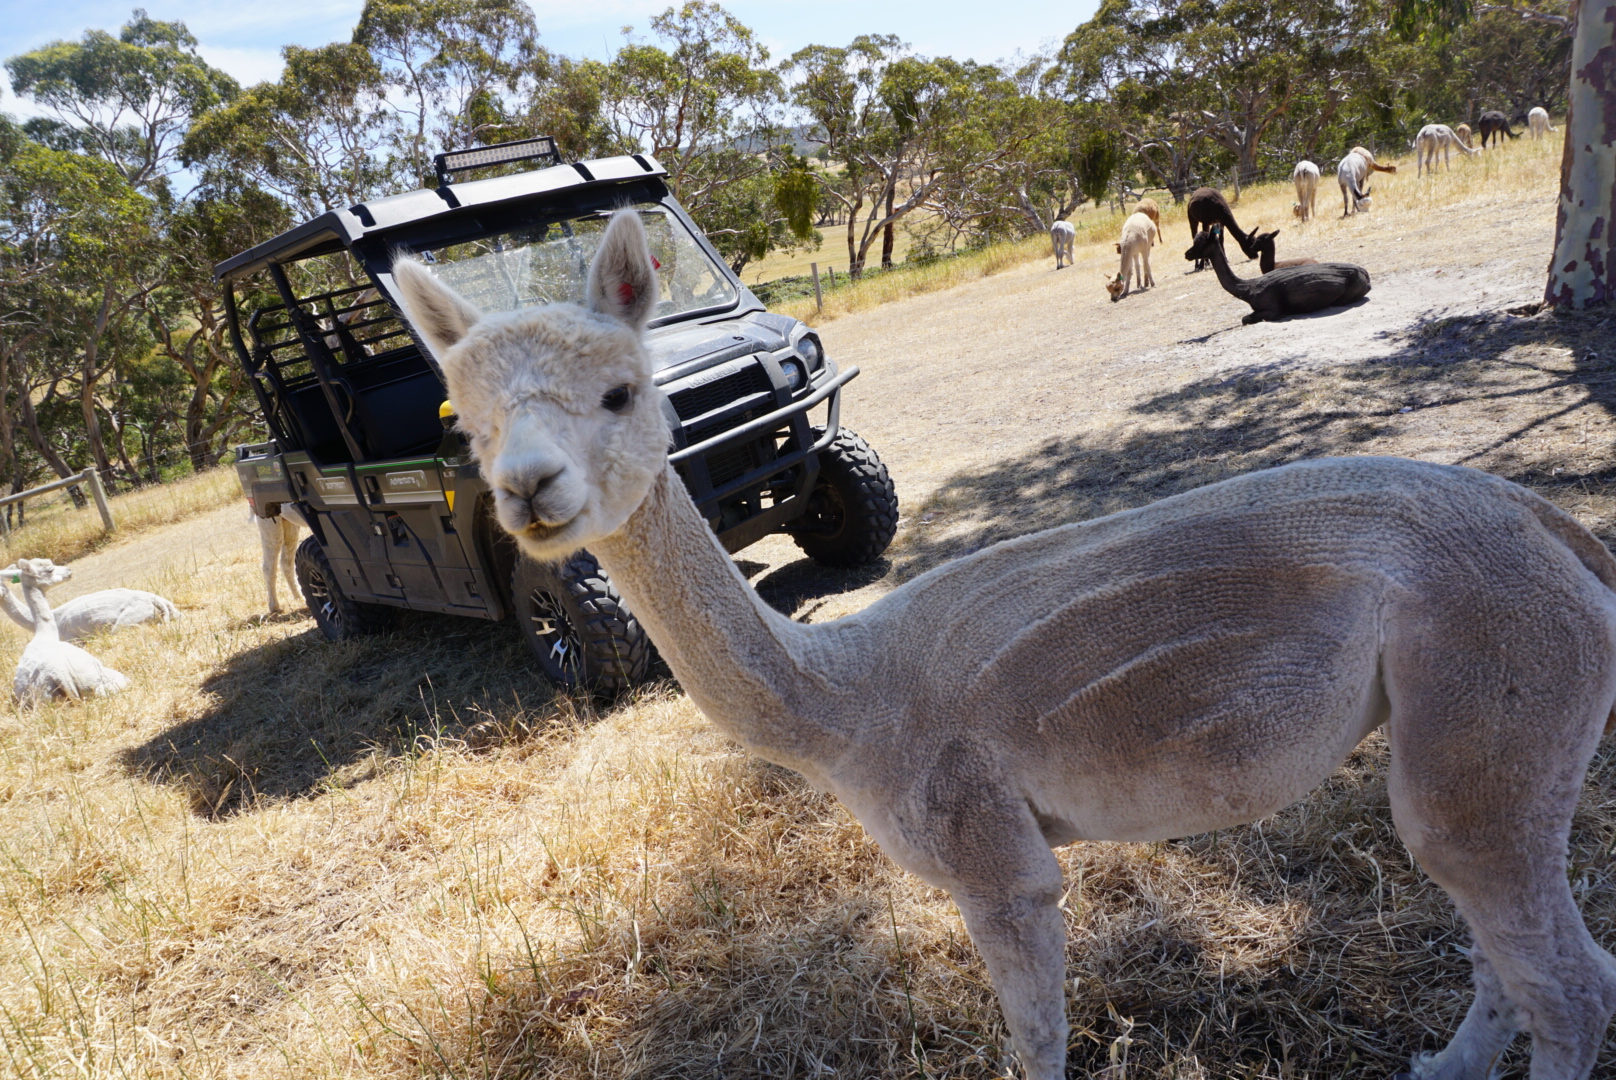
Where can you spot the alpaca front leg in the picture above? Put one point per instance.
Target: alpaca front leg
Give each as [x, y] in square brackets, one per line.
[1022, 938]
[269, 542]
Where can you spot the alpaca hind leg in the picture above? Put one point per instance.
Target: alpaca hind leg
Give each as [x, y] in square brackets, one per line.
[289, 555]
[1149, 281]
[269, 540]
[1489, 748]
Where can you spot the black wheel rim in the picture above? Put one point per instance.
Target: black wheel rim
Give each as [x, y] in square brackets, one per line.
[827, 511]
[560, 650]
[321, 601]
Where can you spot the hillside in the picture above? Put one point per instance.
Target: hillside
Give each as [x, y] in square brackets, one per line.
[403, 856]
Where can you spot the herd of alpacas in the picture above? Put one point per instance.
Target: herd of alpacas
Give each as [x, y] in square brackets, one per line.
[1295, 286]
[1186, 666]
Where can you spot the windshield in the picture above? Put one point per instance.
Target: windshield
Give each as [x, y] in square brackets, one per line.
[549, 263]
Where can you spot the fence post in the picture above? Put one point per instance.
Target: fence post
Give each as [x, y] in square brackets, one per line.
[100, 494]
[819, 301]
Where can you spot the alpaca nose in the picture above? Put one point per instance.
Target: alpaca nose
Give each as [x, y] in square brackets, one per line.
[531, 487]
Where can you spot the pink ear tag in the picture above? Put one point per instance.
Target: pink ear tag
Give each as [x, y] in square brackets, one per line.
[625, 294]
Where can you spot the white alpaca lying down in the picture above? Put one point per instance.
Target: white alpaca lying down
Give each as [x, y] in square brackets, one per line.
[50, 667]
[109, 609]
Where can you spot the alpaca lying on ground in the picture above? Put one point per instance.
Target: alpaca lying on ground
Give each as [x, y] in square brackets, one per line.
[1139, 233]
[1169, 670]
[109, 609]
[1494, 125]
[1294, 290]
[1063, 234]
[1352, 174]
[1207, 207]
[1463, 131]
[1431, 139]
[1537, 121]
[1264, 244]
[277, 541]
[1306, 178]
[50, 667]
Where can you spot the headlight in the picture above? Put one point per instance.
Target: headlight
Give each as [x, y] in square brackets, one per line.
[811, 352]
[795, 376]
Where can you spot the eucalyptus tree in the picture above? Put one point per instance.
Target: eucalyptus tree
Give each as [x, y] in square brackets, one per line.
[317, 137]
[457, 72]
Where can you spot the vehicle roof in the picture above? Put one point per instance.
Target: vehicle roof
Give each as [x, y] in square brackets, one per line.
[337, 230]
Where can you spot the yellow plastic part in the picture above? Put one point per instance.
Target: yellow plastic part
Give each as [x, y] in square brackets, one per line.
[446, 410]
[448, 497]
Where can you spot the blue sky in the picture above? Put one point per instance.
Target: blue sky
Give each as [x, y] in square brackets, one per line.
[244, 38]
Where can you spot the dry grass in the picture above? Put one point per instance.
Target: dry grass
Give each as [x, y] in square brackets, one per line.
[402, 857]
[58, 530]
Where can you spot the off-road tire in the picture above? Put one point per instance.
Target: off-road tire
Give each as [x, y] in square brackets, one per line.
[581, 633]
[337, 615]
[853, 508]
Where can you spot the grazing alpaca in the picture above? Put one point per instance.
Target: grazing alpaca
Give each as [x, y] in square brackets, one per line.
[277, 541]
[1432, 138]
[1063, 234]
[1463, 131]
[1170, 670]
[1207, 207]
[1306, 178]
[50, 667]
[1538, 122]
[1370, 158]
[1295, 290]
[1265, 254]
[1138, 234]
[1351, 174]
[109, 609]
[1494, 125]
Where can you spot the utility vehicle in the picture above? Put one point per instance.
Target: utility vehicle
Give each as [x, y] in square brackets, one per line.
[362, 441]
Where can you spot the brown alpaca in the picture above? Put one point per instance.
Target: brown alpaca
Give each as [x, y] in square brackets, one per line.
[1207, 207]
[1183, 667]
[1264, 244]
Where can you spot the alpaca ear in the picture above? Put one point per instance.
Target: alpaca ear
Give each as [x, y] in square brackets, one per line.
[622, 279]
[438, 313]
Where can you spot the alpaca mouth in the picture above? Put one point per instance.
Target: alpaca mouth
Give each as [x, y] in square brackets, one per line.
[539, 530]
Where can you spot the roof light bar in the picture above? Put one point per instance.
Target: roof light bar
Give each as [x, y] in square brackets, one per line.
[542, 148]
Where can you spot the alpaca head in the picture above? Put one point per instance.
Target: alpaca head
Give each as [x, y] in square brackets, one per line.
[1114, 286]
[1205, 242]
[1263, 241]
[557, 400]
[40, 573]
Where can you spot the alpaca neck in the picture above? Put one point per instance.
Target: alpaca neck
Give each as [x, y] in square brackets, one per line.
[14, 608]
[1265, 258]
[39, 607]
[1226, 276]
[746, 666]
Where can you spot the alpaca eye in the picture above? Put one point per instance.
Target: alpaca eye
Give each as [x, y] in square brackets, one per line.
[616, 399]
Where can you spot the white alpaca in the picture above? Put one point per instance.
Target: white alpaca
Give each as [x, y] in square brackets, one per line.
[1138, 234]
[109, 609]
[50, 667]
[1306, 178]
[277, 541]
[1351, 174]
[1538, 122]
[1063, 234]
[1183, 667]
[1433, 138]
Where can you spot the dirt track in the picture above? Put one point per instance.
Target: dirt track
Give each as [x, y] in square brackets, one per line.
[1029, 399]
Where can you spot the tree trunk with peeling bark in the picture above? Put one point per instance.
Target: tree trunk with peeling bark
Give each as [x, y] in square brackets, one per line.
[1582, 271]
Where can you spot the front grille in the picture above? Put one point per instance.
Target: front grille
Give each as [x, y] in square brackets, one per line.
[725, 465]
[709, 396]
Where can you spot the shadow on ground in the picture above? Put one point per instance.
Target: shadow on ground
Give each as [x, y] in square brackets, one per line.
[302, 715]
[1525, 372]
